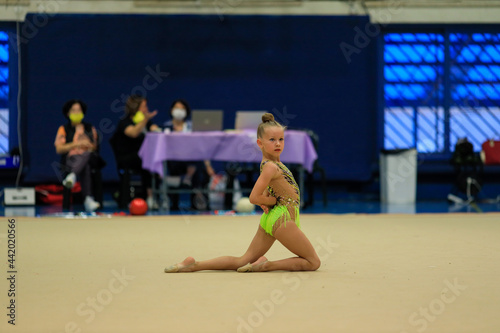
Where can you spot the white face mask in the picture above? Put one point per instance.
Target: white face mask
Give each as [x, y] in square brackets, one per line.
[179, 114]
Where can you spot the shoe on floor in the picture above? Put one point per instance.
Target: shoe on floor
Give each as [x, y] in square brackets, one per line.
[90, 204]
[70, 180]
[152, 204]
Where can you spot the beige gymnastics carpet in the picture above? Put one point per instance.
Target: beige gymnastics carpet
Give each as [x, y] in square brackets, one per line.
[379, 273]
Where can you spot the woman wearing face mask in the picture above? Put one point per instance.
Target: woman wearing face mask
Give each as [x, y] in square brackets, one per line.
[192, 174]
[130, 134]
[180, 113]
[76, 141]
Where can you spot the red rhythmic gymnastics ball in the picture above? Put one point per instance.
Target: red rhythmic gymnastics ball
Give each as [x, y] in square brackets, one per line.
[138, 207]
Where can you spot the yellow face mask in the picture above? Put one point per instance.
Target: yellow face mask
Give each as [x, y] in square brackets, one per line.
[138, 117]
[76, 118]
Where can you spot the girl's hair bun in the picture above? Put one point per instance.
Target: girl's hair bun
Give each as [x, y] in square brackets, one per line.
[267, 117]
[267, 121]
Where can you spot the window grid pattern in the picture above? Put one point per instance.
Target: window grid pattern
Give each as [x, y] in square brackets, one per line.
[475, 87]
[439, 88]
[4, 93]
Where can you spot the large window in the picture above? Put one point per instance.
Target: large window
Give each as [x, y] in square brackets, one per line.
[4, 93]
[440, 87]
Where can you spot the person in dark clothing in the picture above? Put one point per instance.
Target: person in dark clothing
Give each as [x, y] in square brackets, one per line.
[129, 136]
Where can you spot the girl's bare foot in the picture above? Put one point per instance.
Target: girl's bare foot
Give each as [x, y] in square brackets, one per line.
[185, 266]
[257, 266]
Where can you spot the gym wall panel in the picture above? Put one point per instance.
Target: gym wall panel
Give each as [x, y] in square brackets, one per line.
[291, 64]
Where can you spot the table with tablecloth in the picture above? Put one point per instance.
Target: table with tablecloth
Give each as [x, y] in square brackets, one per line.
[229, 146]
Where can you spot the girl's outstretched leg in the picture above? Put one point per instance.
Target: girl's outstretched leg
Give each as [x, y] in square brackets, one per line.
[185, 266]
[258, 247]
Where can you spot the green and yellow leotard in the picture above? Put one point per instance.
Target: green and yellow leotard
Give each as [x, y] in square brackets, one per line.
[286, 191]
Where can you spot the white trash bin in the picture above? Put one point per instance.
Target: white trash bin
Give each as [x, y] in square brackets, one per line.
[398, 176]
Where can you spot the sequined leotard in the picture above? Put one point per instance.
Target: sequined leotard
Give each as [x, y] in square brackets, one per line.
[286, 191]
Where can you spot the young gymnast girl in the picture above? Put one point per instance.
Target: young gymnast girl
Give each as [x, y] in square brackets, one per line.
[277, 193]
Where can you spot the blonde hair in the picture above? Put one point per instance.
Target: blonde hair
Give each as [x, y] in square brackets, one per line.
[267, 121]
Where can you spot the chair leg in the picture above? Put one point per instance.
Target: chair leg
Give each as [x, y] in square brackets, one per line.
[228, 196]
[323, 185]
[310, 189]
[125, 190]
[97, 186]
[66, 198]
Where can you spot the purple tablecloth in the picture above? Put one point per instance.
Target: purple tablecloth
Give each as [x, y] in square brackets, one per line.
[220, 146]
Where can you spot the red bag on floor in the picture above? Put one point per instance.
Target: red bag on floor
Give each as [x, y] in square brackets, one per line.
[490, 153]
[52, 194]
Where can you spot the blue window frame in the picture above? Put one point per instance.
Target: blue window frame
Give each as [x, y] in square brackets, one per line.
[439, 87]
[4, 93]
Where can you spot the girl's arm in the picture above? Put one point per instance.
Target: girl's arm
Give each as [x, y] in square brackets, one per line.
[257, 197]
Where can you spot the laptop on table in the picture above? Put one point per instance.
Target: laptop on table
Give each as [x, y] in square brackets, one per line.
[207, 120]
[248, 120]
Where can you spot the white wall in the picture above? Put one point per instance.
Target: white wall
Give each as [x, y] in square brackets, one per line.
[388, 11]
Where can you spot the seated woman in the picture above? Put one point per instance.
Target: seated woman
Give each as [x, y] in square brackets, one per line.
[193, 174]
[129, 136]
[180, 113]
[75, 142]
